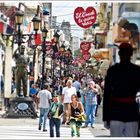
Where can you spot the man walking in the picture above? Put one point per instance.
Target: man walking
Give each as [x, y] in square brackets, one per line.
[67, 92]
[45, 98]
[120, 110]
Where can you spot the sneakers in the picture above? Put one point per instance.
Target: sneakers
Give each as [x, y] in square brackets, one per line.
[92, 126]
[85, 126]
[44, 130]
[39, 128]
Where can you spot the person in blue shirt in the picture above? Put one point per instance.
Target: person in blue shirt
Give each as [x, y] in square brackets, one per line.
[90, 104]
[33, 91]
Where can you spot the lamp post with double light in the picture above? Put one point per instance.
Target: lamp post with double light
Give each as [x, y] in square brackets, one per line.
[44, 35]
[19, 106]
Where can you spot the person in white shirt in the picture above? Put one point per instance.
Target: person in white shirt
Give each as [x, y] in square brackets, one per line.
[67, 92]
[44, 97]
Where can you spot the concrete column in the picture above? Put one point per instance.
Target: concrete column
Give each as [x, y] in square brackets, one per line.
[8, 72]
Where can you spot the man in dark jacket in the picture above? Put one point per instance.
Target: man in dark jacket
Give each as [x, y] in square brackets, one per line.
[122, 82]
[56, 110]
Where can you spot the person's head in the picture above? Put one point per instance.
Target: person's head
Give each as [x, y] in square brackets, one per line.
[33, 86]
[74, 98]
[55, 98]
[125, 52]
[45, 86]
[22, 49]
[91, 84]
[69, 83]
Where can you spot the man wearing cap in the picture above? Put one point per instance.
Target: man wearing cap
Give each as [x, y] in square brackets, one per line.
[122, 82]
[90, 104]
[22, 62]
[56, 108]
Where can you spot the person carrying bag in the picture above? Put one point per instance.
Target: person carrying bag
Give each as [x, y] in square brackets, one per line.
[76, 116]
[54, 115]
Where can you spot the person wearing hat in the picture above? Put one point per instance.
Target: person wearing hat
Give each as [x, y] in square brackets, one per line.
[122, 82]
[55, 114]
[90, 104]
[22, 62]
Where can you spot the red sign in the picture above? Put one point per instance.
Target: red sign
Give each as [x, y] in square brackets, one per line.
[37, 38]
[83, 18]
[86, 56]
[85, 46]
[48, 45]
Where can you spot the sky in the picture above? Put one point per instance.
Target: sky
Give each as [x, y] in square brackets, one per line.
[64, 10]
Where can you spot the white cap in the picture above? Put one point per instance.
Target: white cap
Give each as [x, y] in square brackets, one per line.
[92, 82]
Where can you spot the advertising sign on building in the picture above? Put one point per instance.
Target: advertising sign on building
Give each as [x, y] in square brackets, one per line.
[85, 18]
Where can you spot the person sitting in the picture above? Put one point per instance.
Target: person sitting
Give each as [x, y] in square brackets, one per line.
[33, 91]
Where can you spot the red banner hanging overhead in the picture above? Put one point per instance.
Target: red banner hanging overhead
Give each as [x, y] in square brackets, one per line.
[86, 56]
[83, 18]
[85, 46]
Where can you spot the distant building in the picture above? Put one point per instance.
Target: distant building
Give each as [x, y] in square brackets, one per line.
[75, 44]
[66, 28]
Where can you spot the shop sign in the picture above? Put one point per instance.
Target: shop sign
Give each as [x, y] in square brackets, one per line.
[85, 18]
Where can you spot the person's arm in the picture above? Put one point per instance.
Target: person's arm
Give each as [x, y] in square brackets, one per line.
[94, 89]
[50, 98]
[63, 94]
[15, 53]
[62, 99]
[62, 111]
[38, 98]
[107, 99]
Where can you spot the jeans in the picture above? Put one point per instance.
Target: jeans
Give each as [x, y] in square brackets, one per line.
[54, 122]
[75, 127]
[43, 114]
[90, 114]
[123, 129]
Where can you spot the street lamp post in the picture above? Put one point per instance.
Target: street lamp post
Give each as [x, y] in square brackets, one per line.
[55, 50]
[18, 21]
[68, 60]
[61, 57]
[24, 106]
[44, 35]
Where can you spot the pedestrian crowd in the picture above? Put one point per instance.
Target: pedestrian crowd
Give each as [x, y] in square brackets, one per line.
[74, 100]
[71, 101]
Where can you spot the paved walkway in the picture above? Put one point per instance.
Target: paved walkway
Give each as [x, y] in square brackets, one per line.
[28, 128]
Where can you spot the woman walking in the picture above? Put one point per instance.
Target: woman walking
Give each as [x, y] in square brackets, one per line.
[75, 112]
